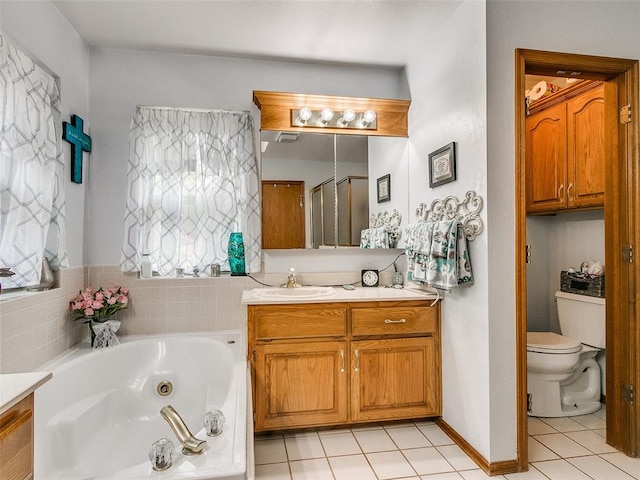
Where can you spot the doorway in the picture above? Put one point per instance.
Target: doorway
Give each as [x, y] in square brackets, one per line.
[283, 214]
[622, 199]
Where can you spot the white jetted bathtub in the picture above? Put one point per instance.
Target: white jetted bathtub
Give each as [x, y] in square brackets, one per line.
[100, 413]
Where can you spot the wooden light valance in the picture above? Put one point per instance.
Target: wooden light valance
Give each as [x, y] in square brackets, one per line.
[276, 113]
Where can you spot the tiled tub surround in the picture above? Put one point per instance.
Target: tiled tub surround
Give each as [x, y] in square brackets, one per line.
[37, 327]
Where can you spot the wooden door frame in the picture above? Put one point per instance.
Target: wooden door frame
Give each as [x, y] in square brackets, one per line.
[622, 200]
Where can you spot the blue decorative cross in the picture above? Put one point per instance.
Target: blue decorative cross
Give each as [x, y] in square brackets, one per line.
[80, 142]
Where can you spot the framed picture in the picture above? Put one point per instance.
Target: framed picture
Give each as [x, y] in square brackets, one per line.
[442, 165]
[384, 188]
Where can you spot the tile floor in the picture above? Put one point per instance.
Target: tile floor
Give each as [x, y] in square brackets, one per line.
[559, 449]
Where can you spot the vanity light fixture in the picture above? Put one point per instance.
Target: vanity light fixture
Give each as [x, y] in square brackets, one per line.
[348, 116]
[367, 118]
[304, 115]
[325, 117]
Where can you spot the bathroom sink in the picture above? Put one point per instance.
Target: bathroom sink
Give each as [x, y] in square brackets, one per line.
[300, 293]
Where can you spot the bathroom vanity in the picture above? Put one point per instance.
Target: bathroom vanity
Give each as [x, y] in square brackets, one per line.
[16, 423]
[369, 355]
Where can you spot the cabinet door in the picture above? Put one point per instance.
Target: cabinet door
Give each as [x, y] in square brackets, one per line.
[585, 142]
[300, 385]
[16, 441]
[546, 159]
[394, 379]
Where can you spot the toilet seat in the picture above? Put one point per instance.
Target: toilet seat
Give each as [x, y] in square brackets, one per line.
[549, 342]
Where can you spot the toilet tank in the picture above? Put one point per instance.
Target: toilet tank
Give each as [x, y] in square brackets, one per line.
[582, 318]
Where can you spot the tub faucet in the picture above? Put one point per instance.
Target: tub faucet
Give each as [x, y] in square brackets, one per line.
[190, 444]
[291, 279]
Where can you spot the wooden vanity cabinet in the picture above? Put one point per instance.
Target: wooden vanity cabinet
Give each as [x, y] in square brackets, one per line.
[343, 363]
[16, 441]
[565, 152]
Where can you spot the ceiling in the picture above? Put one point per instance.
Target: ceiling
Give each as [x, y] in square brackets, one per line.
[380, 33]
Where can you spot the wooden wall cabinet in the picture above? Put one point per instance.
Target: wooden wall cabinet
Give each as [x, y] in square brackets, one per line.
[16, 441]
[344, 363]
[565, 152]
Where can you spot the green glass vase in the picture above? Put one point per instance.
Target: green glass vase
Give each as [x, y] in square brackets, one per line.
[236, 254]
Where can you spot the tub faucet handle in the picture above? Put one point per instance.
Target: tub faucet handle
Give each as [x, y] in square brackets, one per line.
[161, 454]
[213, 422]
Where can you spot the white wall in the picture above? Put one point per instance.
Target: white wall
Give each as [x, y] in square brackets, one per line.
[44, 33]
[594, 28]
[448, 90]
[390, 156]
[121, 79]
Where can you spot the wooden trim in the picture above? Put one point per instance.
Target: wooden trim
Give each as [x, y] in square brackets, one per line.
[622, 200]
[521, 275]
[275, 109]
[494, 468]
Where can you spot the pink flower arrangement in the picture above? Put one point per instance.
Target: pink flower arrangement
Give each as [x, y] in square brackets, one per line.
[98, 305]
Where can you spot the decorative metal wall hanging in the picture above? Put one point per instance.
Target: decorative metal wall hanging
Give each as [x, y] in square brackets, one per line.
[466, 211]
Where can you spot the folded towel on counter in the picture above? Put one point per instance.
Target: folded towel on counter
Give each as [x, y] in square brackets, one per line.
[380, 237]
[437, 254]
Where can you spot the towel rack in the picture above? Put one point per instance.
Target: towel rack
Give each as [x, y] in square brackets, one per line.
[390, 220]
[466, 211]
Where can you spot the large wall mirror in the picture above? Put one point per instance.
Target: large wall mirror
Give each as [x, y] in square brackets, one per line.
[320, 185]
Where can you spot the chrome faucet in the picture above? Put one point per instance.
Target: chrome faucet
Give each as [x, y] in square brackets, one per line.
[190, 444]
[291, 279]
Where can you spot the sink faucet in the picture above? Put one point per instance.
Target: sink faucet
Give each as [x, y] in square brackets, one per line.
[291, 279]
[190, 444]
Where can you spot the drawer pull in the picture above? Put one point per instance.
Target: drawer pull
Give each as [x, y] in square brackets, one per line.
[402, 320]
[342, 356]
[14, 423]
[357, 355]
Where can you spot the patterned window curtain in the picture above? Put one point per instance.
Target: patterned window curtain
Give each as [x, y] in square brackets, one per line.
[192, 180]
[32, 208]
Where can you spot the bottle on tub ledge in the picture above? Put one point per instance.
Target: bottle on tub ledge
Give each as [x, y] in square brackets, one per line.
[145, 266]
[236, 254]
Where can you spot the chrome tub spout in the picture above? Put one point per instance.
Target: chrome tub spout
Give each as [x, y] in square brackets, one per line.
[190, 444]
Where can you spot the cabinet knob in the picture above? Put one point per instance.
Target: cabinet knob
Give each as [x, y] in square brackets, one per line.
[356, 353]
[569, 188]
[561, 190]
[342, 357]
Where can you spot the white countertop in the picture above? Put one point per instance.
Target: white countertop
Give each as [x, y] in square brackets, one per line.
[16, 386]
[339, 294]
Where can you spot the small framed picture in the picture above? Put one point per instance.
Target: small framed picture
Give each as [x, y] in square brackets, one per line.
[384, 188]
[442, 165]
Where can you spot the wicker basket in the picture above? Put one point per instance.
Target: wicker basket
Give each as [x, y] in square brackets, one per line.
[582, 284]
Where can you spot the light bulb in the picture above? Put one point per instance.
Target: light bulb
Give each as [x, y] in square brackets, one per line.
[326, 115]
[347, 116]
[368, 118]
[304, 114]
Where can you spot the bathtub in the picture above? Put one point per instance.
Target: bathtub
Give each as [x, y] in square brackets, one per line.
[99, 414]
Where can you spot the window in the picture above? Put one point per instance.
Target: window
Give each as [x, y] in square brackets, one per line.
[32, 221]
[192, 180]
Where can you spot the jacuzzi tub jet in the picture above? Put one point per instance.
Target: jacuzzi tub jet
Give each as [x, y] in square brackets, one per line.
[164, 388]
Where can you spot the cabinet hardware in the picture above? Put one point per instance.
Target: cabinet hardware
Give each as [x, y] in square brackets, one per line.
[342, 357]
[561, 190]
[529, 407]
[301, 201]
[357, 355]
[402, 320]
[569, 191]
[527, 254]
[627, 253]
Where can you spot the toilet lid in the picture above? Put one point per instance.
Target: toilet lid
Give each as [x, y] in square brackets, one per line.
[549, 342]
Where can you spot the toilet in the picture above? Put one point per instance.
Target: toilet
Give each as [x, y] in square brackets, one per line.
[563, 377]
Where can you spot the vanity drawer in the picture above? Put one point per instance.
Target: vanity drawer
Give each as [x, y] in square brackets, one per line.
[295, 322]
[16, 441]
[393, 320]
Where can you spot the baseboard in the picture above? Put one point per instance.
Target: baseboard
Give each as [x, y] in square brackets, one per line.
[494, 468]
